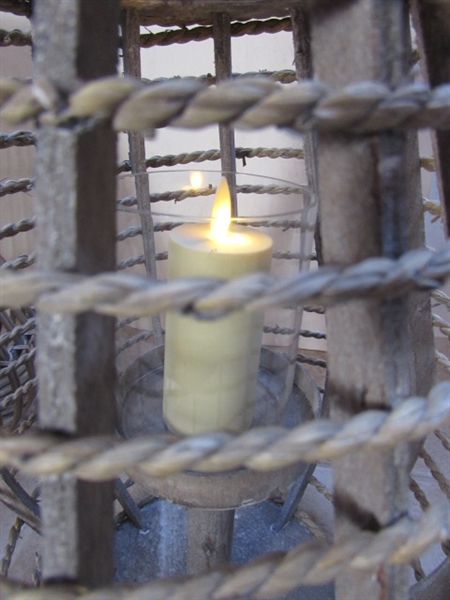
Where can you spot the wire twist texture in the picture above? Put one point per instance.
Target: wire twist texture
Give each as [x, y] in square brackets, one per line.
[126, 295]
[250, 103]
[272, 575]
[261, 449]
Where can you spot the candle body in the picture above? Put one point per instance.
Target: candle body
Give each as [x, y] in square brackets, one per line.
[211, 367]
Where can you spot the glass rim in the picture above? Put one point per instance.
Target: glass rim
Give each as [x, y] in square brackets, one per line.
[303, 189]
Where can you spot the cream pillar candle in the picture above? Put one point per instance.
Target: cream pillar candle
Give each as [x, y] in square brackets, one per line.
[211, 367]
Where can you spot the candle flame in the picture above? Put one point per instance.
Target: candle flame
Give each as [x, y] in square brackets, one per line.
[221, 212]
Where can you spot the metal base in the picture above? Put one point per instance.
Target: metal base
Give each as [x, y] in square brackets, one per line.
[140, 412]
[160, 550]
[193, 527]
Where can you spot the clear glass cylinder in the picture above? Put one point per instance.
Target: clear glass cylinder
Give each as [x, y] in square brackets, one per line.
[227, 373]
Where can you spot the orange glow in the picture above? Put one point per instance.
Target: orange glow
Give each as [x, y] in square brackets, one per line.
[221, 213]
[196, 180]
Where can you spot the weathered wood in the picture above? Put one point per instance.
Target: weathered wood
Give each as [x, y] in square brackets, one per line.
[303, 67]
[75, 186]
[431, 20]
[209, 538]
[132, 66]
[177, 12]
[222, 59]
[435, 586]
[362, 216]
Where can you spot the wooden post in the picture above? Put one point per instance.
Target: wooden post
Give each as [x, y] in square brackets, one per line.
[303, 68]
[76, 216]
[210, 532]
[132, 66]
[432, 22]
[209, 539]
[370, 206]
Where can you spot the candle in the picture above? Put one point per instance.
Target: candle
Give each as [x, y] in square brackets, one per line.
[211, 367]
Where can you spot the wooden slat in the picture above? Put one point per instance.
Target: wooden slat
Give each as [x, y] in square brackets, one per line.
[132, 66]
[177, 12]
[367, 187]
[75, 203]
[209, 539]
[432, 22]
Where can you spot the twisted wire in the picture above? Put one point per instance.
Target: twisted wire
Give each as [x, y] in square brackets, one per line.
[13, 537]
[427, 163]
[123, 322]
[419, 573]
[252, 103]
[432, 207]
[136, 230]
[199, 34]
[21, 262]
[443, 360]
[317, 335]
[15, 37]
[10, 500]
[15, 364]
[199, 156]
[284, 76]
[313, 527]
[436, 473]
[139, 337]
[11, 229]
[442, 325]
[20, 391]
[322, 488]
[13, 187]
[444, 439]
[18, 330]
[312, 360]
[314, 309]
[280, 330]
[441, 298]
[138, 260]
[419, 494]
[127, 263]
[17, 138]
[26, 424]
[273, 575]
[120, 295]
[102, 458]
[180, 195]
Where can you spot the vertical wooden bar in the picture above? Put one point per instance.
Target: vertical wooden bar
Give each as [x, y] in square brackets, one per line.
[75, 187]
[132, 66]
[432, 22]
[210, 532]
[209, 539]
[222, 58]
[370, 205]
[303, 67]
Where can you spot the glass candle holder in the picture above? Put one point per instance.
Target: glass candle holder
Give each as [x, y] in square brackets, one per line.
[234, 371]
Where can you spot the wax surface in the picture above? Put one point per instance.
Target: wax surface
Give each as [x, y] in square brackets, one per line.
[211, 367]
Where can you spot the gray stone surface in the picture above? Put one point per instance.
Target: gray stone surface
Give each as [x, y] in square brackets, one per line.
[159, 551]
